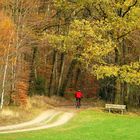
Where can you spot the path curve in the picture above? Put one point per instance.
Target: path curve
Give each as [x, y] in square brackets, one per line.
[40, 122]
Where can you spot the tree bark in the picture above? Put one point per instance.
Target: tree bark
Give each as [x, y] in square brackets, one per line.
[65, 83]
[117, 83]
[78, 73]
[4, 78]
[32, 74]
[51, 90]
[61, 73]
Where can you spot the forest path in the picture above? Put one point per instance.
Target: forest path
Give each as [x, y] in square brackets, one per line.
[47, 119]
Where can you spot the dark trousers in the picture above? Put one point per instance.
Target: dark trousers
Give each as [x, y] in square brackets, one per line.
[78, 102]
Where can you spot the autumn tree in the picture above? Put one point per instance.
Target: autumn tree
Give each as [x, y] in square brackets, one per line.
[20, 13]
[97, 36]
[6, 53]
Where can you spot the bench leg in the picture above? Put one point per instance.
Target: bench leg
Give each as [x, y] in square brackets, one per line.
[109, 110]
[122, 111]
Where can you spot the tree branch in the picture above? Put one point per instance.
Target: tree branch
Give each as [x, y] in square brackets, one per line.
[123, 35]
[129, 8]
[103, 12]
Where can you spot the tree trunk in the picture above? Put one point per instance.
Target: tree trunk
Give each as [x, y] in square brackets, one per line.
[55, 81]
[32, 74]
[51, 88]
[78, 73]
[117, 93]
[70, 70]
[117, 83]
[4, 78]
[61, 73]
[12, 90]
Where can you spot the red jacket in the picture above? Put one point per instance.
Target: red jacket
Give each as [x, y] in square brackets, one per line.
[78, 94]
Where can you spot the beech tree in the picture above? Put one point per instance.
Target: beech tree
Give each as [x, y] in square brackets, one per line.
[98, 31]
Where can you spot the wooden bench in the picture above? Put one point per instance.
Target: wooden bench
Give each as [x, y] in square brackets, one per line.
[115, 106]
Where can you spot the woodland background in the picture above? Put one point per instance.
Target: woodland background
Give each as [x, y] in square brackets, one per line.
[54, 47]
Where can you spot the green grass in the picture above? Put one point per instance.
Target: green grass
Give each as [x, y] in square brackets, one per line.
[87, 125]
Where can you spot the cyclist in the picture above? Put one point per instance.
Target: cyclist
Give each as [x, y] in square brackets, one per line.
[78, 96]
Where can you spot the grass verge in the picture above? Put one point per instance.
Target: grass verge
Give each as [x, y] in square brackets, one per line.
[15, 114]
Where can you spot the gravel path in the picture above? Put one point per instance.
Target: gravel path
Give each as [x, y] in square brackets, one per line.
[40, 122]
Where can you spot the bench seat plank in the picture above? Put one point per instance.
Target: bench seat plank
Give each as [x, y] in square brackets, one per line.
[115, 106]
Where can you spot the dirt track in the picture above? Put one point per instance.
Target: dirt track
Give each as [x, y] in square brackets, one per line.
[43, 121]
